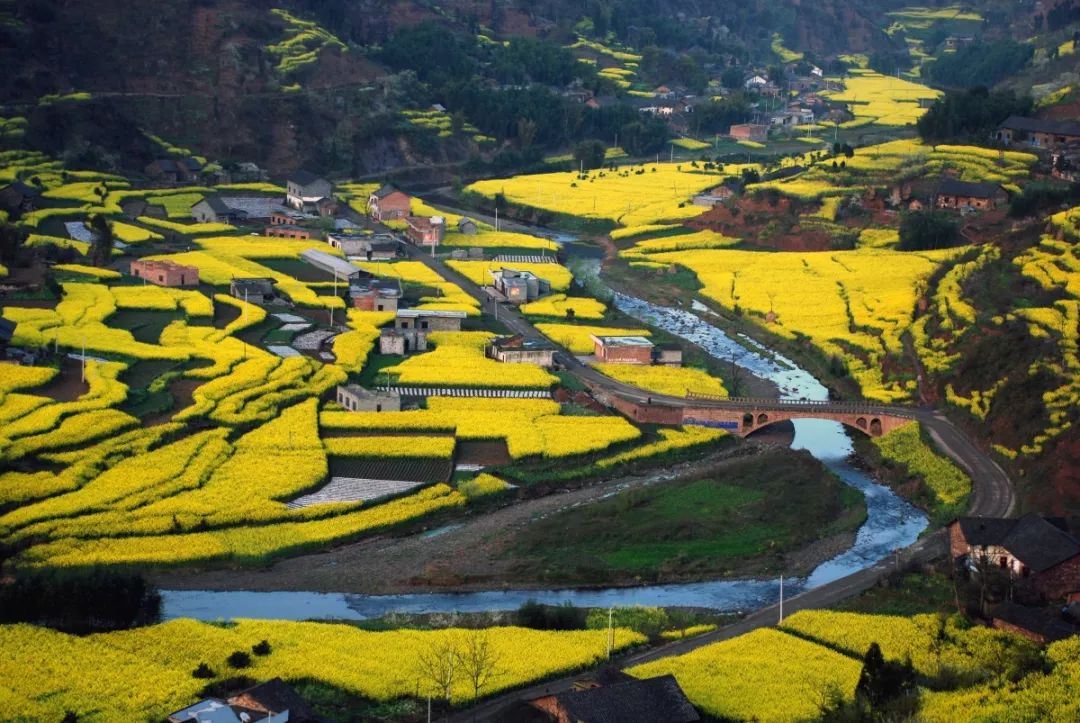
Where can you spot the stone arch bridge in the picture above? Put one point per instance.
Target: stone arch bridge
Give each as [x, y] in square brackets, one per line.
[744, 416]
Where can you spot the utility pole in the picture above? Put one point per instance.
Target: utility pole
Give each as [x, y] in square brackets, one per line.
[83, 358]
[610, 631]
[781, 598]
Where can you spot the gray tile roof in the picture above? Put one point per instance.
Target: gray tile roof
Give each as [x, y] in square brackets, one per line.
[653, 700]
[1033, 540]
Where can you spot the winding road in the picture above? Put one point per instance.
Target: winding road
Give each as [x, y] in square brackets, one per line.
[992, 496]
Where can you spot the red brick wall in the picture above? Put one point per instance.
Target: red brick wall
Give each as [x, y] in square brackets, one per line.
[646, 413]
[1009, 627]
[625, 354]
[1059, 581]
[958, 546]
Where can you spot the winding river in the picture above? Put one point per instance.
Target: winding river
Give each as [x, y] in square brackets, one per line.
[891, 522]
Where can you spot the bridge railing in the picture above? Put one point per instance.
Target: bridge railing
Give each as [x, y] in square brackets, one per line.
[752, 403]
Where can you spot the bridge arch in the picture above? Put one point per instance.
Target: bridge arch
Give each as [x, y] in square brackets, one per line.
[870, 425]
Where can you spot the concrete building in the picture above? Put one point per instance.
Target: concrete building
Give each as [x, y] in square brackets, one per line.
[519, 350]
[356, 398]
[365, 246]
[519, 287]
[376, 294]
[165, 273]
[304, 191]
[668, 355]
[254, 290]
[622, 349]
[214, 209]
[411, 329]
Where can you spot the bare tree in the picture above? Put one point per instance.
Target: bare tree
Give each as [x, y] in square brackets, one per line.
[438, 666]
[478, 660]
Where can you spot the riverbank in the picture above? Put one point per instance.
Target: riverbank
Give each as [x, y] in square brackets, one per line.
[478, 552]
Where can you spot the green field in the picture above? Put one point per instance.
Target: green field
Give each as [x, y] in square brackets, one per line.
[736, 518]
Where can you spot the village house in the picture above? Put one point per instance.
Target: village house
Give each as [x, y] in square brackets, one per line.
[424, 230]
[214, 209]
[289, 231]
[162, 171]
[624, 699]
[1038, 133]
[668, 355]
[366, 246]
[622, 349]
[411, 329]
[356, 398]
[953, 194]
[304, 191]
[254, 289]
[338, 267]
[519, 350]
[133, 208]
[1042, 626]
[955, 42]
[375, 294]
[466, 226]
[288, 217]
[18, 198]
[792, 117]
[1033, 548]
[165, 273]
[755, 132]
[756, 82]
[271, 702]
[714, 196]
[388, 203]
[519, 287]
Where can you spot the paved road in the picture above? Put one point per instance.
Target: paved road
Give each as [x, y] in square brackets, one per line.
[992, 496]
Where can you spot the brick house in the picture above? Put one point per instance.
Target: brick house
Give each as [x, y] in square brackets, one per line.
[628, 700]
[165, 273]
[1042, 626]
[622, 349]
[749, 132]
[162, 170]
[288, 231]
[1039, 133]
[411, 329]
[274, 701]
[287, 217]
[424, 230]
[1034, 548]
[388, 203]
[304, 191]
[953, 194]
[214, 209]
[356, 398]
[375, 294]
[370, 247]
[519, 350]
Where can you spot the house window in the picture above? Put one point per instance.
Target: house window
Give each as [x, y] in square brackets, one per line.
[379, 307]
[404, 325]
[161, 279]
[423, 324]
[1003, 562]
[1024, 571]
[378, 407]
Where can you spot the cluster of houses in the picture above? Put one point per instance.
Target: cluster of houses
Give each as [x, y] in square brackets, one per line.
[1041, 559]
[274, 701]
[1060, 138]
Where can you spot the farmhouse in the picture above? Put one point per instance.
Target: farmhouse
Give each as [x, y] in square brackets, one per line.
[749, 132]
[214, 209]
[271, 702]
[961, 194]
[162, 170]
[254, 290]
[466, 226]
[1038, 133]
[165, 273]
[626, 701]
[622, 349]
[519, 286]
[304, 191]
[288, 217]
[714, 196]
[668, 355]
[18, 198]
[519, 350]
[388, 203]
[1039, 549]
[412, 326]
[289, 231]
[356, 398]
[133, 208]
[370, 247]
[425, 231]
[375, 294]
[341, 269]
[1038, 625]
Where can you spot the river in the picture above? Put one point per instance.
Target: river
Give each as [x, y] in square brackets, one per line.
[891, 522]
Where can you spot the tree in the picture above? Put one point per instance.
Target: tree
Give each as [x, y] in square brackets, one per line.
[732, 78]
[438, 666]
[589, 155]
[102, 246]
[238, 659]
[478, 661]
[968, 114]
[928, 230]
[881, 682]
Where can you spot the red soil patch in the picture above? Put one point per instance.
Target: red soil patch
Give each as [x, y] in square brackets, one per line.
[750, 218]
[67, 386]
